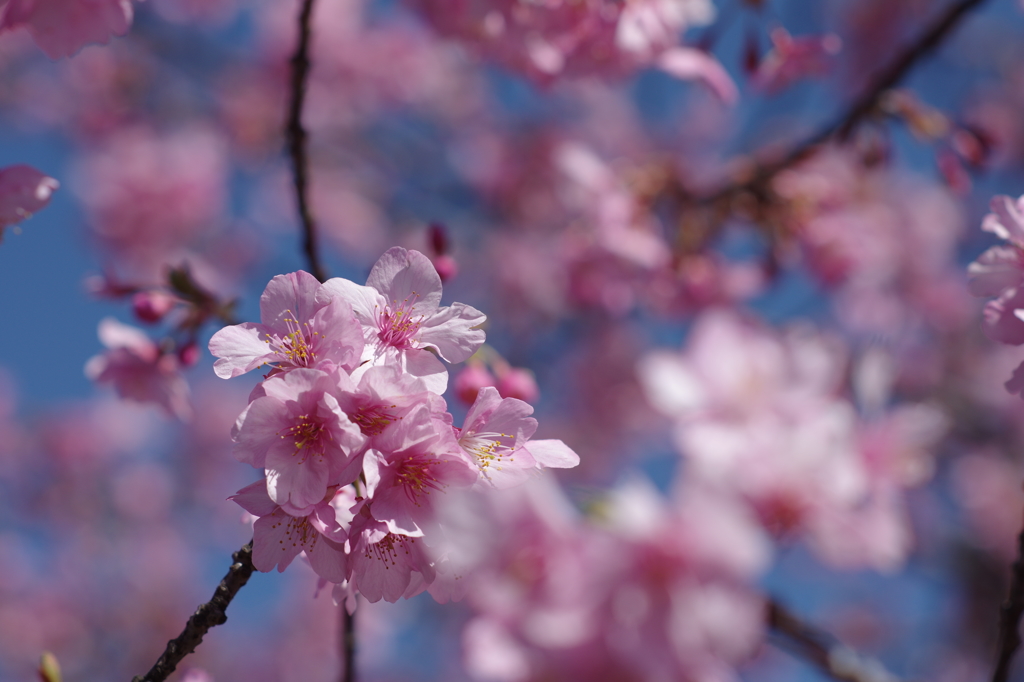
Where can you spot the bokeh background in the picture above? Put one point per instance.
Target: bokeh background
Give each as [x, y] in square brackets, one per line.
[568, 204]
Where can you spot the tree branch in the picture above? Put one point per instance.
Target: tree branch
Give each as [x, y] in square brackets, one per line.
[206, 616]
[1009, 616]
[348, 644]
[297, 139]
[823, 650]
[860, 108]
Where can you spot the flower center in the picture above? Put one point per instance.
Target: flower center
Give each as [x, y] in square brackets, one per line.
[299, 532]
[416, 476]
[488, 449]
[374, 419]
[297, 348]
[308, 435]
[397, 324]
[388, 548]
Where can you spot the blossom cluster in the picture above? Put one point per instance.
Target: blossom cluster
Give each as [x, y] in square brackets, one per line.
[761, 421]
[999, 272]
[548, 39]
[353, 434]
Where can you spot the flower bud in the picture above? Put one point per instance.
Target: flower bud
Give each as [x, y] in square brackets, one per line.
[446, 267]
[518, 383]
[151, 306]
[188, 354]
[470, 380]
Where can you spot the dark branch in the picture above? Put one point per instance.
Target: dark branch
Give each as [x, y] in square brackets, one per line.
[348, 644]
[206, 616]
[823, 650]
[860, 108]
[1009, 616]
[297, 139]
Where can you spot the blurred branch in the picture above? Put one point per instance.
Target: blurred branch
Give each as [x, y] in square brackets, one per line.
[1009, 616]
[859, 109]
[348, 644]
[297, 140]
[823, 650]
[208, 615]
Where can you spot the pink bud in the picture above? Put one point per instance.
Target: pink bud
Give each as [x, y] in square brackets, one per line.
[188, 354]
[438, 239]
[151, 306]
[446, 267]
[518, 383]
[470, 380]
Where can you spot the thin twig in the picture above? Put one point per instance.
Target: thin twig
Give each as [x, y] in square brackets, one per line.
[297, 139]
[1010, 613]
[860, 108]
[823, 650]
[348, 644]
[206, 616]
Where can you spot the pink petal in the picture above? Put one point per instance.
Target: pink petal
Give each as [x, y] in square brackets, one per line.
[402, 275]
[365, 301]
[254, 499]
[453, 332]
[689, 63]
[238, 349]
[23, 191]
[998, 269]
[289, 297]
[553, 453]
[1000, 322]
[1006, 220]
[62, 27]
[1015, 384]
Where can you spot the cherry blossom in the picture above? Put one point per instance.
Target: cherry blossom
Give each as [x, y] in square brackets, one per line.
[298, 432]
[62, 27]
[402, 321]
[139, 369]
[299, 329]
[278, 537]
[496, 434]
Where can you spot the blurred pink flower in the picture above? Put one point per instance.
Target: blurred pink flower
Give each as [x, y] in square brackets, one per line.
[794, 58]
[139, 370]
[23, 191]
[470, 380]
[62, 27]
[517, 382]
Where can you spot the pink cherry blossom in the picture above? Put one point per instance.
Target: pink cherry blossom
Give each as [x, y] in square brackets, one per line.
[62, 27]
[1003, 320]
[139, 369]
[278, 537]
[1001, 267]
[758, 415]
[298, 432]
[23, 191]
[496, 434]
[383, 563]
[413, 464]
[299, 329]
[402, 321]
[547, 40]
